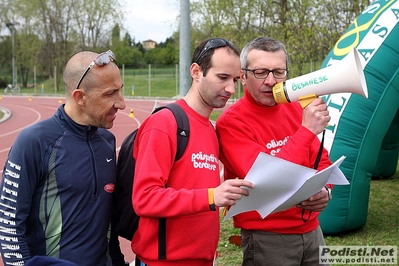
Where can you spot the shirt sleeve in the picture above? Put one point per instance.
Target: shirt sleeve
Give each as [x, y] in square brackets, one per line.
[19, 178]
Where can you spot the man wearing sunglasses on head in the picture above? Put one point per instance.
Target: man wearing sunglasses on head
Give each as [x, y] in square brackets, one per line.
[187, 192]
[256, 123]
[56, 194]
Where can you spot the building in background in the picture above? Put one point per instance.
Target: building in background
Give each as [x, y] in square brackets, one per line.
[149, 44]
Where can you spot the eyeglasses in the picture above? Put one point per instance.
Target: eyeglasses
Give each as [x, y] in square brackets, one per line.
[213, 44]
[101, 60]
[262, 73]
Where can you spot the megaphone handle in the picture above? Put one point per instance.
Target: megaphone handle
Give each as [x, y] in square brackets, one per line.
[306, 99]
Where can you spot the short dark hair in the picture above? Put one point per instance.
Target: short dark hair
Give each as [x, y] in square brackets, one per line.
[203, 58]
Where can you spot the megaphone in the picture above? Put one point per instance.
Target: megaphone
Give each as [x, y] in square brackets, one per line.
[344, 76]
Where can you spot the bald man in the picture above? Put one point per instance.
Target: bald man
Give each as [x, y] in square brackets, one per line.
[56, 194]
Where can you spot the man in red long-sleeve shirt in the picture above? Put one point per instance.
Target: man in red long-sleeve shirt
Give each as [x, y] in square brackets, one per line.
[186, 192]
[256, 123]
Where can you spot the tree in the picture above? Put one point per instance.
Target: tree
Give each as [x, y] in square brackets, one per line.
[308, 28]
[62, 26]
[94, 21]
[28, 52]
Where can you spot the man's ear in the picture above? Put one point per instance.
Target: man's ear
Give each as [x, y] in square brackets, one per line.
[79, 96]
[243, 78]
[195, 71]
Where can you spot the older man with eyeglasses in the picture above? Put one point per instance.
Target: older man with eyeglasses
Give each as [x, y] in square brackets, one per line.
[256, 123]
[56, 194]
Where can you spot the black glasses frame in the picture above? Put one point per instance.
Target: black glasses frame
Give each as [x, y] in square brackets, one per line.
[101, 60]
[267, 71]
[213, 44]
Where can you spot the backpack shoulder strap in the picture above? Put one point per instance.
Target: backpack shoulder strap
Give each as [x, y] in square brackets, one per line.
[183, 133]
[183, 127]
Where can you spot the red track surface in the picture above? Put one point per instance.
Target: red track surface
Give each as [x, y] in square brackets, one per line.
[26, 111]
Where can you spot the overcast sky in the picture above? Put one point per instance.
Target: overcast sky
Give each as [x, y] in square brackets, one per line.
[151, 19]
[145, 19]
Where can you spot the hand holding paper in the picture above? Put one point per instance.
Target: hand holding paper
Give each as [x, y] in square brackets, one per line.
[280, 184]
[231, 190]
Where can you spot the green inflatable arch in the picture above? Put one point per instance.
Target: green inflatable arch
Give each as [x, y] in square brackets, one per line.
[366, 131]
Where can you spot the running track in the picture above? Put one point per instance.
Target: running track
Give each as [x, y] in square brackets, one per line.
[26, 111]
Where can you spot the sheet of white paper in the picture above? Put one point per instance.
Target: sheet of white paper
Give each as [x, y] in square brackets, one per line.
[330, 175]
[337, 177]
[280, 184]
[274, 179]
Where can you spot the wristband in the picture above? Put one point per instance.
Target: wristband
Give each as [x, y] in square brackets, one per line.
[329, 192]
[211, 200]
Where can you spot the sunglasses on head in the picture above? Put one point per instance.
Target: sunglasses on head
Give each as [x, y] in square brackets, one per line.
[213, 44]
[101, 60]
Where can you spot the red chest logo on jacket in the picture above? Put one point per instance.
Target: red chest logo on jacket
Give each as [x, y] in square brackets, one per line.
[109, 187]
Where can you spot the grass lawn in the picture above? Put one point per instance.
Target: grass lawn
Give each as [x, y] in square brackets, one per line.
[162, 83]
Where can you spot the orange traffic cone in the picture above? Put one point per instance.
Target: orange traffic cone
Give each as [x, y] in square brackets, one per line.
[30, 98]
[59, 100]
[131, 113]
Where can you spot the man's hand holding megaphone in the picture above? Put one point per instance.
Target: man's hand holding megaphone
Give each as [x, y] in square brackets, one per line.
[316, 116]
